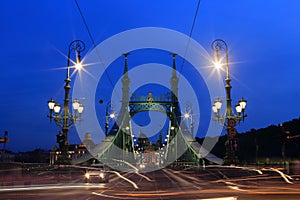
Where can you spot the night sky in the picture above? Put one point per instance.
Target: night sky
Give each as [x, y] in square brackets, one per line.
[262, 36]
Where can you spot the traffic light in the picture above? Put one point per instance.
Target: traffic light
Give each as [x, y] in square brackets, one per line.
[60, 138]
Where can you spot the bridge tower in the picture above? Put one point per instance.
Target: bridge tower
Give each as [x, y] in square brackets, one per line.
[124, 139]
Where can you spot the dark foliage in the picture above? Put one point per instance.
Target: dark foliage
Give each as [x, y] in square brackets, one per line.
[278, 142]
[35, 156]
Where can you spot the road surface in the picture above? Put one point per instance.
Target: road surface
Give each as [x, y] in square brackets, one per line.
[212, 182]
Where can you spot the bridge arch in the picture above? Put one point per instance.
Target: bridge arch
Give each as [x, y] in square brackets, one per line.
[162, 107]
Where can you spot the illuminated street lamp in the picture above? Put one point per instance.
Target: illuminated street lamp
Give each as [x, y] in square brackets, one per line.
[216, 108]
[229, 117]
[108, 116]
[188, 115]
[64, 118]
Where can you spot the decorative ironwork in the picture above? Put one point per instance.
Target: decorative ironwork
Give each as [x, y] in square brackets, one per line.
[219, 45]
[162, 98]
[77, 45]
[136, 107]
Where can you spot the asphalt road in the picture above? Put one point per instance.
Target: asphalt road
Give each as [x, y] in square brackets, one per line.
[181, 183]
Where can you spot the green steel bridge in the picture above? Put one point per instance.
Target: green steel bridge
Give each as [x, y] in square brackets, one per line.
[118, 148]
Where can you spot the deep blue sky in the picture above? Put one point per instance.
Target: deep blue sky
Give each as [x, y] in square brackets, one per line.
[263, 40]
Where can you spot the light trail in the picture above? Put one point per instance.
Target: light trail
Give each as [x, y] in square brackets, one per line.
[222, 198]
[169, 194]
[195, 181]
[116, 197]
[262, 190]
[108, 196]
[235, 187]
[126, 179]
[255, 178]
[176, 177]
[41, 187]
[236, 167]
[136, 170]
[284, 176]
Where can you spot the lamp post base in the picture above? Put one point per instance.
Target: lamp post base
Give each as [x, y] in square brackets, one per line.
[62, 161]
[230, 158]
[64, 158]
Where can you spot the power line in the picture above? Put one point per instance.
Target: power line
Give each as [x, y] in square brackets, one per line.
[92, 39]
[190, 35]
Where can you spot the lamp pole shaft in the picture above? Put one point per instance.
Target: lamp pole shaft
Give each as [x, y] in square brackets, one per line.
[65, 127]
[106, 120]
[66, 108]
[66, 111]
[228, 87]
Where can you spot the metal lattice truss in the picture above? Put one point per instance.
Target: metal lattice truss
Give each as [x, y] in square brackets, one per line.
[162, 98]
[136, 107]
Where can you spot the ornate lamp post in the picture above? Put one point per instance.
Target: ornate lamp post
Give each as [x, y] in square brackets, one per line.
[64, 118]
[231, 119]
[4, 140]
[108, 115]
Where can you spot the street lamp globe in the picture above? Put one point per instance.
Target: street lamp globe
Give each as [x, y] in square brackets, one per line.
[238, 108]
[80, 108]
[75, 104]
[186, 115]
[56, 108]
[218, 103]
[112, 115]
[243, 103]
[51, 104]
[214, 108]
